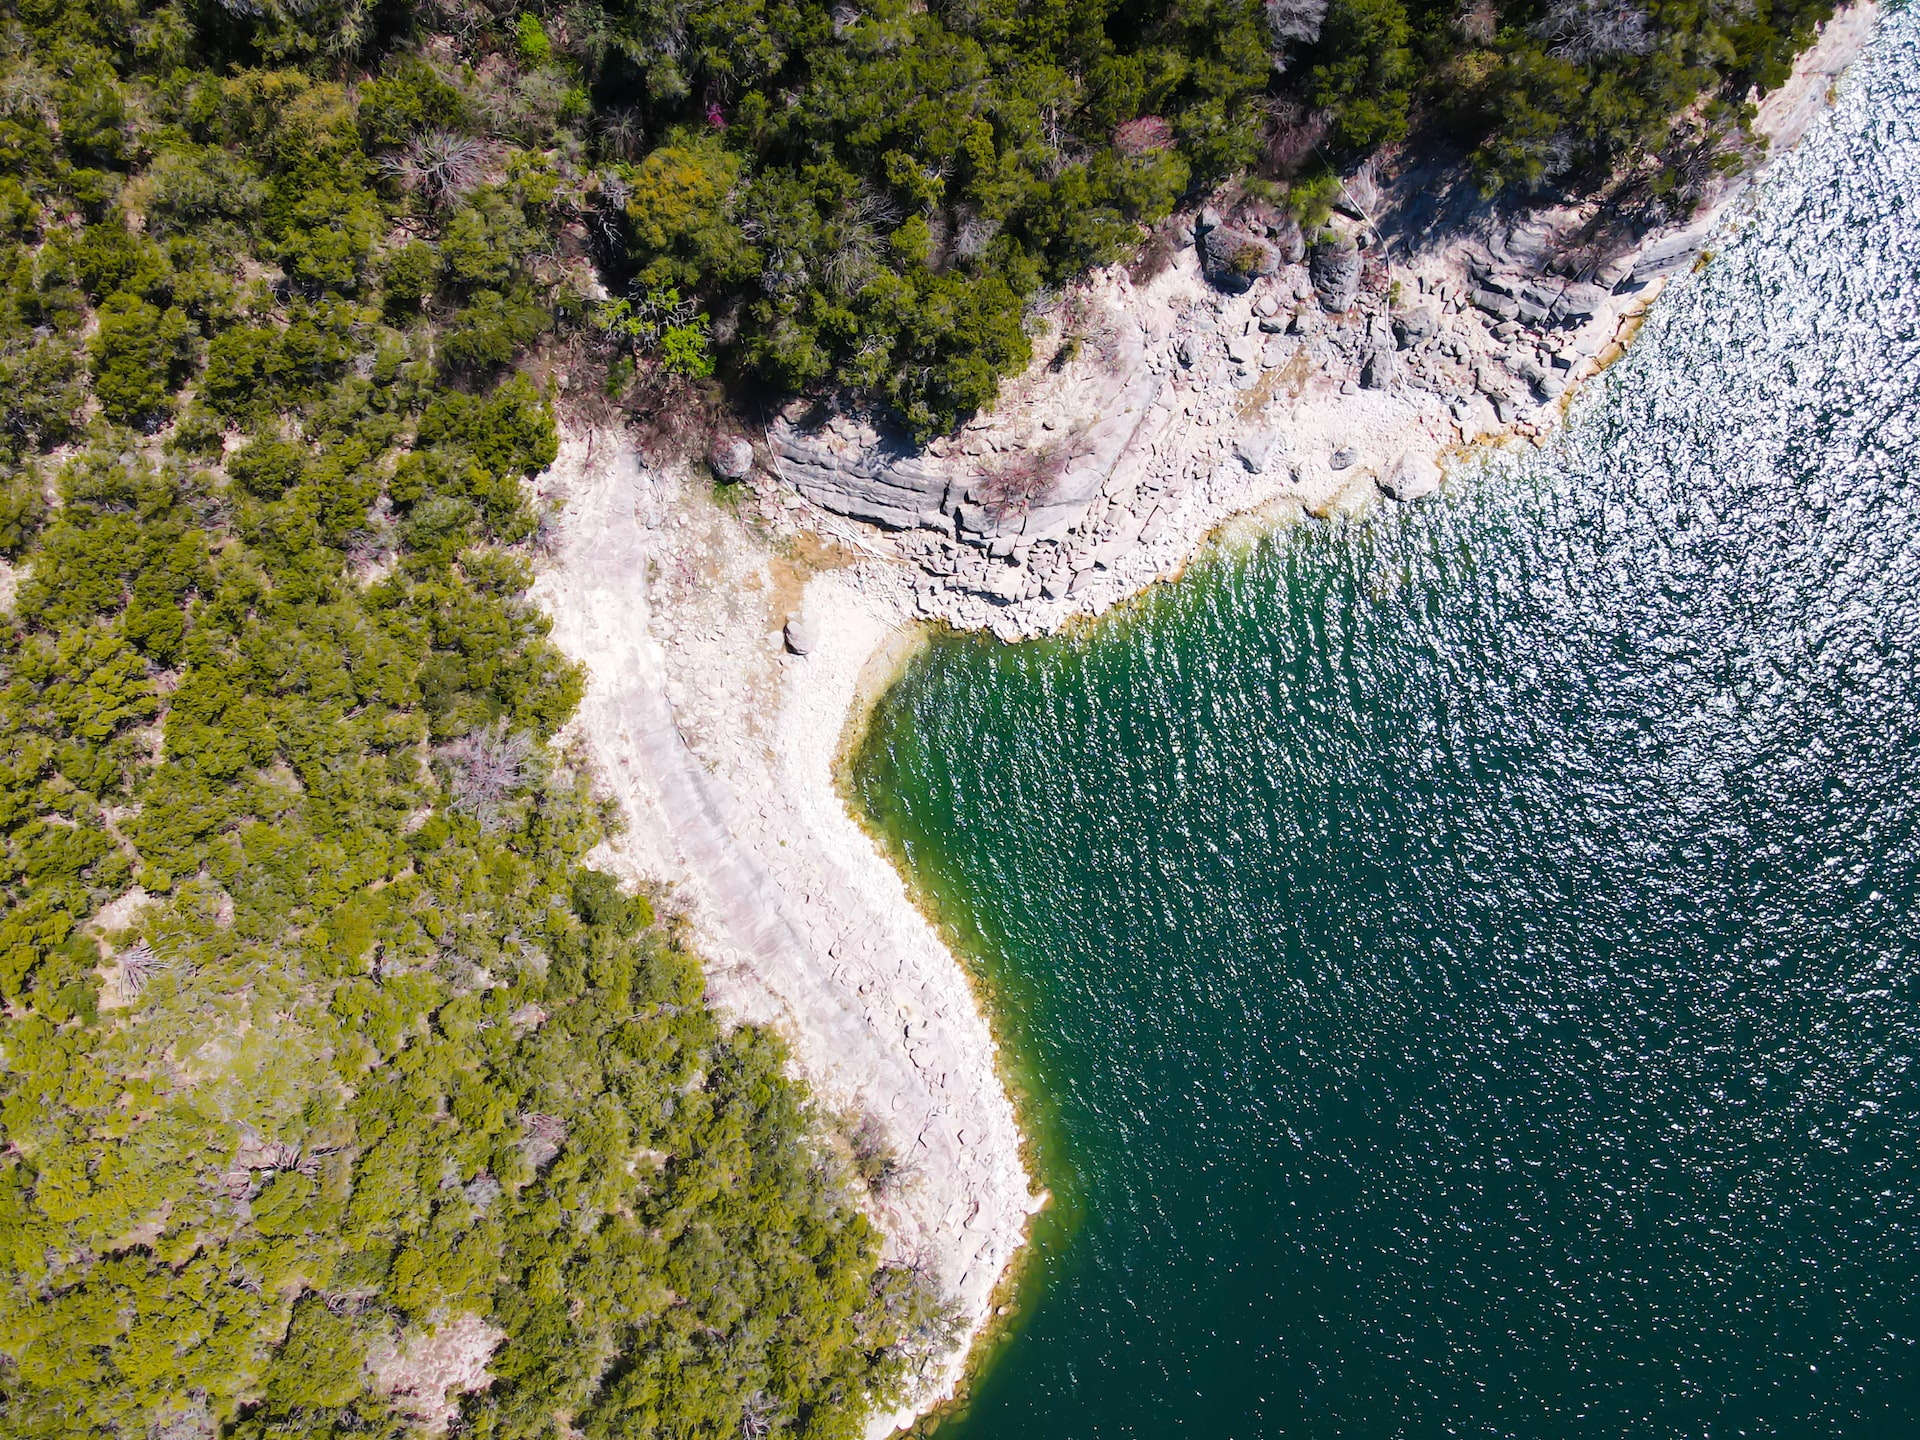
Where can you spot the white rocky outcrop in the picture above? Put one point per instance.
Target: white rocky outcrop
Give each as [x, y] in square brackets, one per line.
[721, 674]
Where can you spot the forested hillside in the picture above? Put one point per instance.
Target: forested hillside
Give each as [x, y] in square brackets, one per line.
[875, 195]
[328, 1076]
[379, 1086]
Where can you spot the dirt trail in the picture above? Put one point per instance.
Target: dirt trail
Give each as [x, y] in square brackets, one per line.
[805, 926]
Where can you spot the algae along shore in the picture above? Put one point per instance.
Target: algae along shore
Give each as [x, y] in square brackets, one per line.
[484, 486]
[1467, 951]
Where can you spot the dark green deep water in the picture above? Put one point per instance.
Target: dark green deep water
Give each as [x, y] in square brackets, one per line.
[1464, 963]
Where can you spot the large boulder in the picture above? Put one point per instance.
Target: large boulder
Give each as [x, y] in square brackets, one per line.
[1409, 478]
[1528, 369]
[1412, 327]
[1252, 450]
[1233, 259]
[1579, 303]
[731, 457]
[1487, 277]
[1376, 368]
[1287, 239]
[802, 635]
[1335, 268]
[1534, 304]
[1668, 254]
[1501, 307]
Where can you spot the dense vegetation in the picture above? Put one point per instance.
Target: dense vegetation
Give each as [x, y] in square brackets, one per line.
[872, 195]
[377, 1067]
[1564, 90]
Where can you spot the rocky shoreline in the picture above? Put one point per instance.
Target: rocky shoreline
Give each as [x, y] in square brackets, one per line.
[734, 635]
[1253, 369]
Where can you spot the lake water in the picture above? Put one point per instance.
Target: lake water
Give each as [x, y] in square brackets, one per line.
[1463, 964]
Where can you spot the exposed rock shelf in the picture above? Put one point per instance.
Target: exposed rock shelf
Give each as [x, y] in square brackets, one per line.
[718, 745]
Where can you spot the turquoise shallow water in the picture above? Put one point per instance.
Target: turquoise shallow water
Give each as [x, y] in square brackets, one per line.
[1465, 961]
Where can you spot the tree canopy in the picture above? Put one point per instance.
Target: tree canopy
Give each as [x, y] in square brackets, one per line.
[320, 1046]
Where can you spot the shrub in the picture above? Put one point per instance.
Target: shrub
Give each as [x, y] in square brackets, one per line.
[531, 36]
[409, 275]
[327, 236]
[22, 507]
[191, 186]
[484, 242]
[679, 211]
[140, 355]
[41, 393]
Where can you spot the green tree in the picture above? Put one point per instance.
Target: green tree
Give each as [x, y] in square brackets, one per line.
[140, 354]
[1366, 75]
[679, 210]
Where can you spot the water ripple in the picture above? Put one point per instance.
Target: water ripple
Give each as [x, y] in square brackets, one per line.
[1465, 961]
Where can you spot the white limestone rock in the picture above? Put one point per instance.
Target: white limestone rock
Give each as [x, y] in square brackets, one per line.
[1409, 478]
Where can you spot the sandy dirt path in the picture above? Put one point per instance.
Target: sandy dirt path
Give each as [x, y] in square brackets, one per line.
[804, 925]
